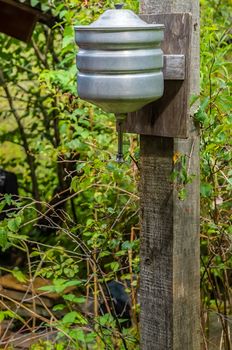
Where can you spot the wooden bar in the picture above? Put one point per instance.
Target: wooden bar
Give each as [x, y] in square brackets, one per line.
[19, 19]
[174, 67]
[16, 21]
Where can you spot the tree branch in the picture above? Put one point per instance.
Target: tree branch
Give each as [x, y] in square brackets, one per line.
[30, 157]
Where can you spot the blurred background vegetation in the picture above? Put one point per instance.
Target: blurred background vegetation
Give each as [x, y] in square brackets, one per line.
[75, 222]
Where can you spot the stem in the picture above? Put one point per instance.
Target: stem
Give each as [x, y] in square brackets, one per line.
[30, 157]
[120, 118]
[39, 54]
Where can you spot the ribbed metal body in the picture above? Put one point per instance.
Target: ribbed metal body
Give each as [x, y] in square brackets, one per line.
[120, 62]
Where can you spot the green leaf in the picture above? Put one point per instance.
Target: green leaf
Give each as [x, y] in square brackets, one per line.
[8, 199]
[78, 334]
[73, 299]
[2, 316]
[3, 238]
[206, 189]
[74, 317]
[19, 275]
[106, 320]
[50, 288]
[114, 266]
[13, 224]
[34, 3]
[127, 245]
[182, 194]
[59, 285]
[58, 307]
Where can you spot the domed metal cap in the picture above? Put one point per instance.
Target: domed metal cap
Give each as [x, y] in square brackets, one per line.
[119, 18]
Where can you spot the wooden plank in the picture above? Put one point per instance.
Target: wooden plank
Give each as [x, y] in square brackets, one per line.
[174, 67]
[169, 115]
[16, 21]
[170, 264]
[44, 17]
[156, 276]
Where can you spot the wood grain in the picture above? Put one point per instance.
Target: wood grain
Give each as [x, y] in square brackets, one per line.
[156, 291]
[174, 67]
[169, 115]
[170, 268]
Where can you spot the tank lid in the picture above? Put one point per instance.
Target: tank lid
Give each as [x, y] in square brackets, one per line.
[119, 18]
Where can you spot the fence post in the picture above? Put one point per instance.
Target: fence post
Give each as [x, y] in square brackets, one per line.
[170, 268]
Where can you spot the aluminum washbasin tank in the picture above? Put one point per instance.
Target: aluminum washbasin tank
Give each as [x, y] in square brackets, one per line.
[120, 62]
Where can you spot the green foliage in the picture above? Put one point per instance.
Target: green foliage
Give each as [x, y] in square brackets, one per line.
[77, 206]
[76, 222]
[59, 285]
[214, 117]
[180, 174]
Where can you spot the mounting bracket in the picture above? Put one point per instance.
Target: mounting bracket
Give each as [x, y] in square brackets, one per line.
[168, 116]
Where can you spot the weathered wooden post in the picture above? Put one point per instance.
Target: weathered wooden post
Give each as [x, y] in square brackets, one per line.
[170, 291]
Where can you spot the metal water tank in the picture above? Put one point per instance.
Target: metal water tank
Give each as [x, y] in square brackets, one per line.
[120, 62]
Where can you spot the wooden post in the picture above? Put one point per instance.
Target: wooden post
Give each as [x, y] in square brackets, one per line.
[170, 269]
